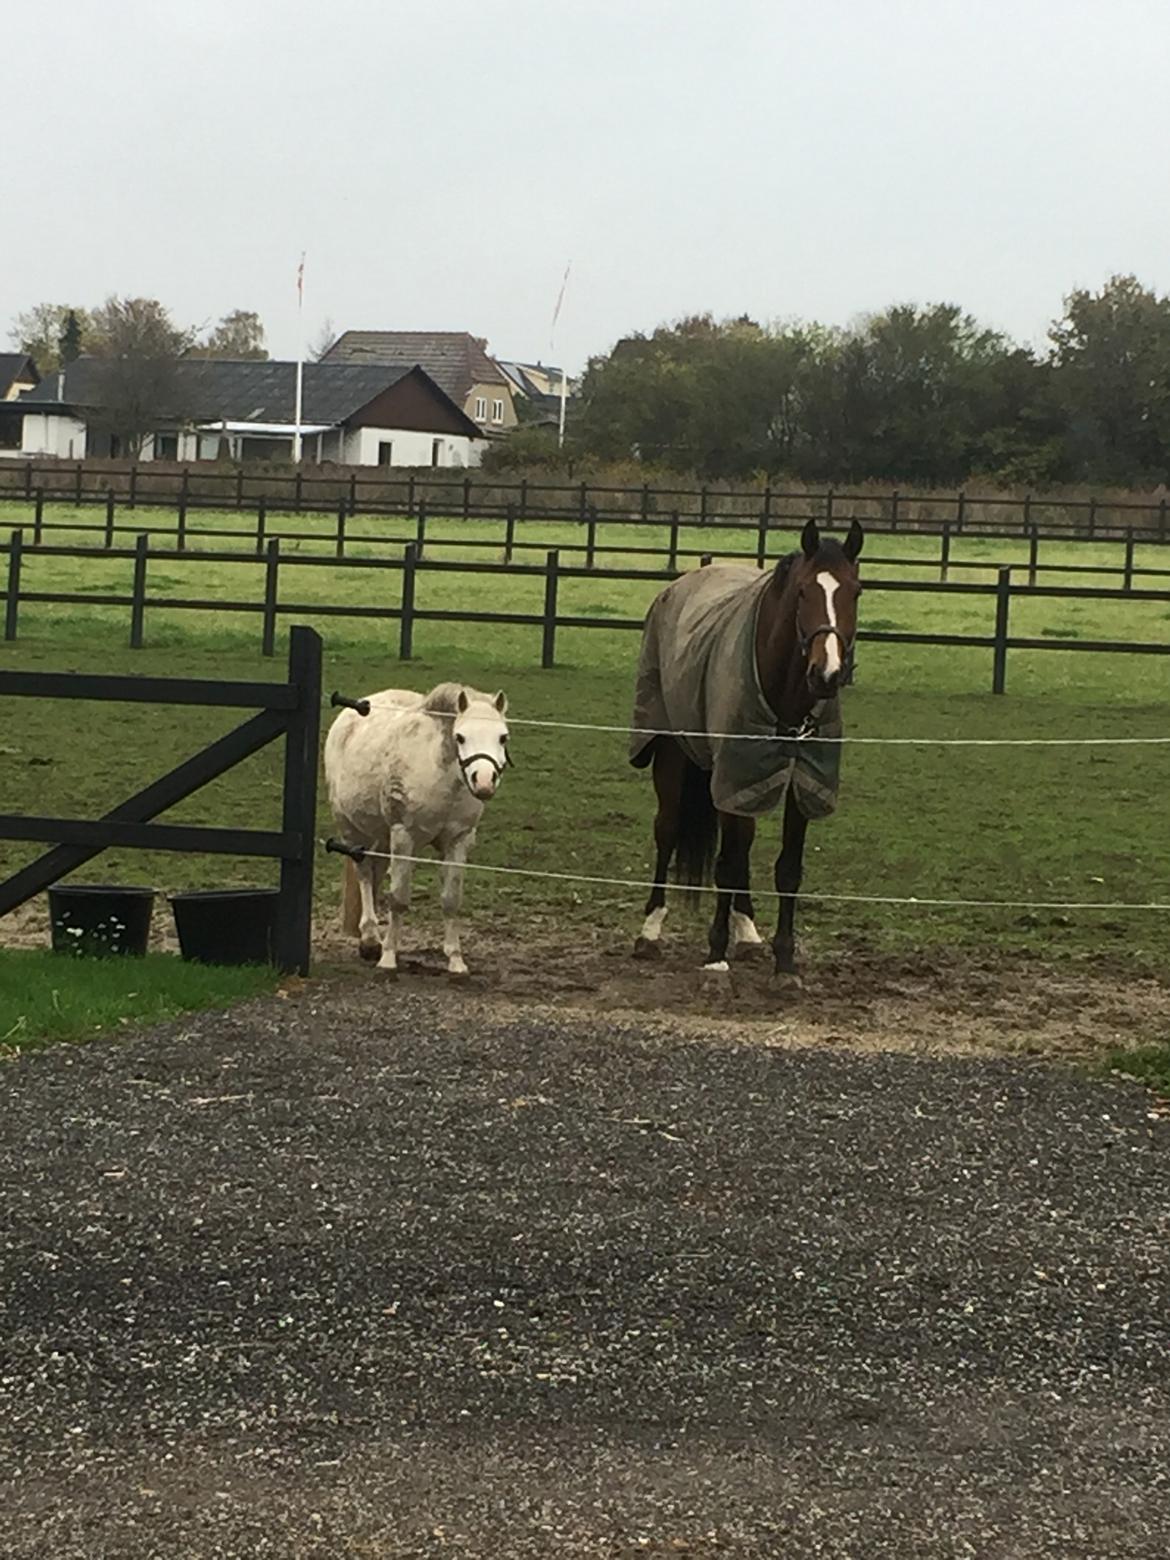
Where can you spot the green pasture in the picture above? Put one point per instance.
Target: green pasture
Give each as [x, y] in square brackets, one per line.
[1028, 824]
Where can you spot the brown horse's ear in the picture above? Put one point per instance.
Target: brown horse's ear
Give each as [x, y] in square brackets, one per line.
[810, 539]
[461, 702]
[853, 541]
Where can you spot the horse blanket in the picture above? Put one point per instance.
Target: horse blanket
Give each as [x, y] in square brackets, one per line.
[697, 674]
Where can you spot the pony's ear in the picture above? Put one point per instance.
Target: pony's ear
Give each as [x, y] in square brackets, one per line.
[810, 539]
[501, 702]
[461, 702]
[853, 541]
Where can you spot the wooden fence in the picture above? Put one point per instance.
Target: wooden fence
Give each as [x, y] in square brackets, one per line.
[414, 561]
[364, 490]
[291, 710]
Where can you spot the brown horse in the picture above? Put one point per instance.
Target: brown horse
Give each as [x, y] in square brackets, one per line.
[724, 644]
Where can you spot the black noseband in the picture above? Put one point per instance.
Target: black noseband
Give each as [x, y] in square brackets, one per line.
[826, 629]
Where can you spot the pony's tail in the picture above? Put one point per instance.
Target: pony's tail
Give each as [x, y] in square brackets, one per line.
[351, 901]
[698, 829]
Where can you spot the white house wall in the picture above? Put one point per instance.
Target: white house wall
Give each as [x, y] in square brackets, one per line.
[412, 448]
[46, 434]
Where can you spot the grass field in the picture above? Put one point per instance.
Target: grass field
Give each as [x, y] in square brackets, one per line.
[1028, 823]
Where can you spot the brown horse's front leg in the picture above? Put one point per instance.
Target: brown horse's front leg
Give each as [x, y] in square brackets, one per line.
[789, 869]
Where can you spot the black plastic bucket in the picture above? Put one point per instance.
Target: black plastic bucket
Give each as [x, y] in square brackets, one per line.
[226, 925]
[94, 920]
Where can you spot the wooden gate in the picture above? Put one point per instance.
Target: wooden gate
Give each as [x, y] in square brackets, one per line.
[290, 709]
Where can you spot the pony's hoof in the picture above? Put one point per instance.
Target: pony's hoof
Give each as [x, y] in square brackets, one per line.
[370, 952]
[387, 971]
[647, 948]
[459, 977]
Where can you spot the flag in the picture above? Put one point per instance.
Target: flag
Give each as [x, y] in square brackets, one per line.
[561, 295]
[301, 280]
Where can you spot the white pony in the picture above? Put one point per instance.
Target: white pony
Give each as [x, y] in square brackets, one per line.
[412, 775]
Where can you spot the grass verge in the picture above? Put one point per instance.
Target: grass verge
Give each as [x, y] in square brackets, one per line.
[46, 996]
[1149, 1064]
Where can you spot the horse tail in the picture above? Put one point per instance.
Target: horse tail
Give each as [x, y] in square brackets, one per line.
[351, 901]
[698, 829]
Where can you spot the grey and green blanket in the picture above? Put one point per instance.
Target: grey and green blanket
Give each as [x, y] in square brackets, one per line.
[697, 674]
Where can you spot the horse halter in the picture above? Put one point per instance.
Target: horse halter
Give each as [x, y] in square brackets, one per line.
[806, 642]
[467, 759]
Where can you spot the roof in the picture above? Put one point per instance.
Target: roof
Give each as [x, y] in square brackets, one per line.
[14, 367]
[454, 359]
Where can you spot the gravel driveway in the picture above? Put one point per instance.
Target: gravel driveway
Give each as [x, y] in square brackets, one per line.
[371, 1271]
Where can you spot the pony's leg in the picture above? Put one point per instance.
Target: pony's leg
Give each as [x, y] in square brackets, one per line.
[369, 936]
[451, 895]
[668, 781]
[401, 844]
[745, 936]
[789, 870]
[731, 876]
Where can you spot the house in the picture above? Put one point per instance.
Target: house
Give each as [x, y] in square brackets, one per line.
[18, 373]
[352, 414]
[540, 388]
[455, 360]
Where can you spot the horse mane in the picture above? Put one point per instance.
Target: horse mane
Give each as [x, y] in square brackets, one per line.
[443, 699]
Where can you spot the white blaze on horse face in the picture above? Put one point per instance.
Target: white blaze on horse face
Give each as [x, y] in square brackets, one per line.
[481, 744]
[829, 583]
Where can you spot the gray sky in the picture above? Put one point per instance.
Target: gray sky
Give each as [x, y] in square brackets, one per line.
[440, 161]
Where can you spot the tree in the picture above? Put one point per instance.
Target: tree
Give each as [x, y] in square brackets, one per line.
[326, 336]
[139, 347]
[39, 330]
[1111, 372]
[69, 341]
[238, 335]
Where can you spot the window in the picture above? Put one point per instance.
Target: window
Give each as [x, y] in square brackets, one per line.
[166, 446]
[497, 411]
[436, 452]
[385, 452]
[481, 408]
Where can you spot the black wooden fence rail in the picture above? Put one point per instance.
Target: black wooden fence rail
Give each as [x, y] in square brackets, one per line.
[309, 490]
[291, 710]
[340, 541]
[413, 562]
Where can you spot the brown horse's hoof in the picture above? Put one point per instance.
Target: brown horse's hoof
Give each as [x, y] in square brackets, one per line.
[787, 983]
[370, 952]
[750, 951]
[646, 948]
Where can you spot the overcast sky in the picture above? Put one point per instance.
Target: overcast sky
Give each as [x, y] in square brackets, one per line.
[441, 161]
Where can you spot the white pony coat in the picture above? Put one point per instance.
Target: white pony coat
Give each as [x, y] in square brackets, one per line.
[396, 784]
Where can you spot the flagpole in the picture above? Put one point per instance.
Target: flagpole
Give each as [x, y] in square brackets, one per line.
[552, 353]
[300, 359]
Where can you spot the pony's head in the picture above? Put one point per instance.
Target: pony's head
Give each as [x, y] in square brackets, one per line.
[481, 741]
[821, 585]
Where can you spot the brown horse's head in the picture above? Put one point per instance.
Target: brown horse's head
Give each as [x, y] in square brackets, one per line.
[820, 585]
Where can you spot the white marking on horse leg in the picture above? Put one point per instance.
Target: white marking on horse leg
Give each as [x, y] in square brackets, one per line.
[719, 967]
[652, 926]
[829, 583]
[368, 934]
[744, 929]
[451, 898]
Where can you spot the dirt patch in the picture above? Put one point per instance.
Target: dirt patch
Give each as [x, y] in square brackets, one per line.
[934, 1002]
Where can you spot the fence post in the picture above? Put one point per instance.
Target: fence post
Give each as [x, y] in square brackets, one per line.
[261, 524]
[523, 495]
[674, 541]
[1027, 510]
[28, 476]
[591, 539]
[341, 506]
[1093, 514]
[894, 510]
[645, 501]
[138, 591]
[292, 934]
[421, 528]
[39, 517]
[1162, 521]
[944, 557]
[409, 495]
[271, 587]
[509, 533]
[1033, 553]
[829, 496]
[1003, 597]
[703, 505]
[768, 504]
[549, 645]
[762, 541]
[706, 559]
[12, 599]
[353, 492]
[298, 482]
[406, 619]
[109, 517]
[960, 510]
[181, 539]
[583, 501]
[77, 487]
[240, 489]
[184, 489]
[467, 498]
[133, 494]
[1128, 577]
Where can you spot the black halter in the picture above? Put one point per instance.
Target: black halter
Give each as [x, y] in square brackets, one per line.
[808, 640]
[467, 759]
